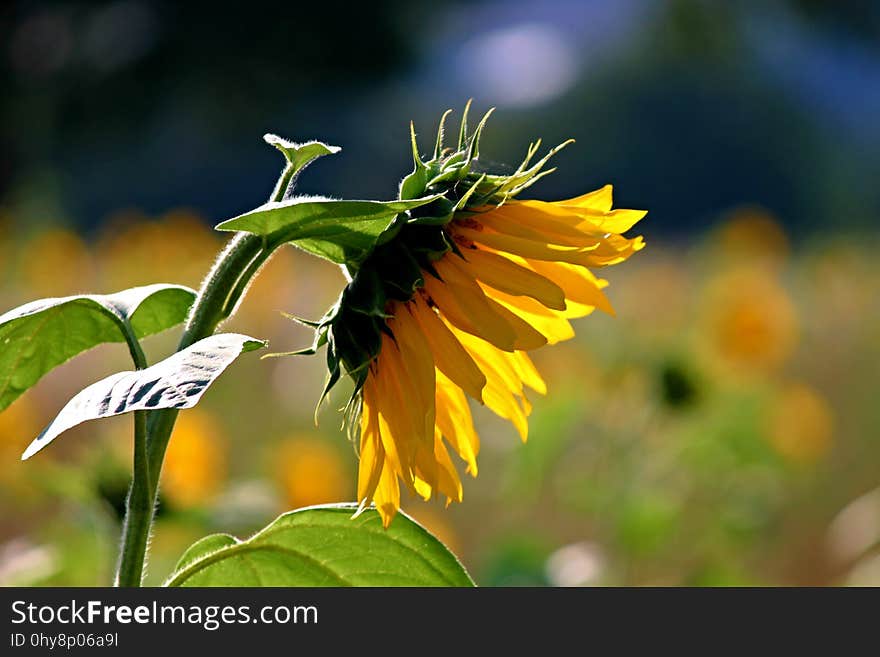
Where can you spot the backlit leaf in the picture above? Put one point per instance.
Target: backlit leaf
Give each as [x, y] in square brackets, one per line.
[39, 336]
[179, 381]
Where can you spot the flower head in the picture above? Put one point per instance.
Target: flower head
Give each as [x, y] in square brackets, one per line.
[447, 306]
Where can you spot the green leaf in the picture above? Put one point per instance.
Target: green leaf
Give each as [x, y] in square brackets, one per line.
[300, 155]
[324, 546]
[203, 547]
[39, 336]
[341, 231]
[179, 381]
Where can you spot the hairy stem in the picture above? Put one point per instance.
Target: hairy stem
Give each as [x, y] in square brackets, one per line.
[209, 310]
[220, 293]
[138, 504]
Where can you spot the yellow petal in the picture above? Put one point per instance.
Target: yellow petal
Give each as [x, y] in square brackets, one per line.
[427, 470]
[614, 249]
[448, 481]
[616, 221]
[503, 274]
[493, 363]
[372, 454]
[601, 199]
[527, 371]
[457, 273]
[527, 336]
[455, 422]
[387, 496]
[527, 248]
[552, 324]
[505, 405]
[449, 356]
[503, 386]
[579, 284]
[395, 427]
[464, 303]
[466, 306]
[534, 222]
[418, 362]
[423, 488]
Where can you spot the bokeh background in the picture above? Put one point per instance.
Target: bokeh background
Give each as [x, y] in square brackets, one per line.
[723, 429]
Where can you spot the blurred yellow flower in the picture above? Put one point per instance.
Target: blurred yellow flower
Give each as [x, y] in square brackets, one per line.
[752, 232]
[176, 248]
[19, 423]
[750, 319]
[195, 463]
[800, 424]
[845, 276]
[655, 295]
[309, 472]
[57, 262]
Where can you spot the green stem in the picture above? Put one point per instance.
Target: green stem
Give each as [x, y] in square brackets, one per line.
[221, 291]
[138, 504]
[138, 511]
[210, 308]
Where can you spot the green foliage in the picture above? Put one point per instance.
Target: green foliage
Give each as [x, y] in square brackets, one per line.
[323, 546]
[299, 156]
[315, 546]
[343, 232]
[41, 335]
[179, 381]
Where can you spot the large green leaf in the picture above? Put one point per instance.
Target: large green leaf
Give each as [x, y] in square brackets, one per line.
[179, 381]
[323, 546]
[39, 336]
[341, 231]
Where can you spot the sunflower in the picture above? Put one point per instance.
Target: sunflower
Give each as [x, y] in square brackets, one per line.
[447, 306]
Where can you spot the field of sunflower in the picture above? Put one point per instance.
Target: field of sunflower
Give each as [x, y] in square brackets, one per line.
[716, 431]
[563, 390]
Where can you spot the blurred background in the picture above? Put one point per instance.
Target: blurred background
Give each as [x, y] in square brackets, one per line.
[723, 429]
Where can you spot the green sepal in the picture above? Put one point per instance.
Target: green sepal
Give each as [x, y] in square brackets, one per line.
[474, 147]
[414, 185]
[428, 240]
[438, 145]
[301, 320]
[366, 294]
[463, 128]
[437, 213]
[400, 271]
[392, 231]
[334, 373]
[454, 172]
[320, 341]
[463, 201]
